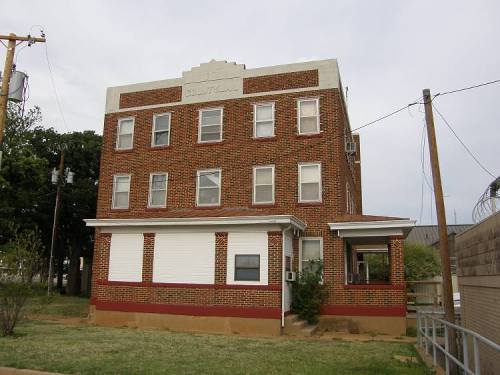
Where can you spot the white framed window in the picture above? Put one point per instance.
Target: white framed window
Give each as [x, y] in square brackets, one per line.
[263, 184]
[158, 190]
[161, 130]
[247, 258]
[210, 125]
[308, 116]
[247, 267]
[121, 190]
[208, 187]
[310, 250]
[263, 120]
[310, 182]
[125, 133]
[348, 198]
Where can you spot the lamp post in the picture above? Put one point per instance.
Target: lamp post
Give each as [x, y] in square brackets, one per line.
[60, 178]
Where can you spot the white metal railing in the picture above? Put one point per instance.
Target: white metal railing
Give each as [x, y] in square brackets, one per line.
[431, 328]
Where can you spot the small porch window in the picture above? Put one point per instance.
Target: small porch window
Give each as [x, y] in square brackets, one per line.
[367, 263]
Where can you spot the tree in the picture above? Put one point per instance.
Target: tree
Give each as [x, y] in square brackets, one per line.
[421, 262]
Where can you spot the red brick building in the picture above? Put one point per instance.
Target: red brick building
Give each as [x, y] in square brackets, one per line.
[217, 186]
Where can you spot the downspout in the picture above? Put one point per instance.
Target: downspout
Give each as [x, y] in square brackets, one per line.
[283, 275]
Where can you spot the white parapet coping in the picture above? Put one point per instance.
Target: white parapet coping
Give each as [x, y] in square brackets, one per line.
[198, 221]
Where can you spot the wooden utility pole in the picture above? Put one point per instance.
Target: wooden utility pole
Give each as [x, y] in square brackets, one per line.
[13, 42]
[449, 309]
[60, 180]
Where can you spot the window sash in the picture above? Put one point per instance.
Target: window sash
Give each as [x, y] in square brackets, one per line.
[208, 130]
[154, 191]
[305, 262]
[246, 272]
[157, 133]
[257, 185]
[262, 125]
[120, 189]
[200, 189]
[306, 182]
[301, 117]
[123, 136]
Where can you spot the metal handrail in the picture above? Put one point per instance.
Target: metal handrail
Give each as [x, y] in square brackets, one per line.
[424, 339]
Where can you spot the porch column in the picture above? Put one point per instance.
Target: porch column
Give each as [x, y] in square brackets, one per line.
[397, 260]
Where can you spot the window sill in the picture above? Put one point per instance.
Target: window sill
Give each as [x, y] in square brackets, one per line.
[207, 207]
[114, 209]
[307, 204]
[263, 205]
[209, 143]
[153, 209]
[310, 135]
[124, 151]
[265, 139]
[156, 148]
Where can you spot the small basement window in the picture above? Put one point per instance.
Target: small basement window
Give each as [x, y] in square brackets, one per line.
[247, 267]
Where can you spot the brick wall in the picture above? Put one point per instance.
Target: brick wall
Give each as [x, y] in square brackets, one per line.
[284, 81]
[150, 97]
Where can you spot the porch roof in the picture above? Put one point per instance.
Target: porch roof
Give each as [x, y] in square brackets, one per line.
[199, 221]
[355, 226]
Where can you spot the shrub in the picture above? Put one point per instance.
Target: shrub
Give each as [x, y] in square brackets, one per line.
[421, 262]
[353, 327]
[308, 293]
[13, 297]
[411, 332]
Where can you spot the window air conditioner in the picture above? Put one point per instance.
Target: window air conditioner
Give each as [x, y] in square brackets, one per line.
[290, 276]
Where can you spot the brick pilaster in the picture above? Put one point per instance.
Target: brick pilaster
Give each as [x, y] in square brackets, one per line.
[147, 257]
[220, 257]
[397, 263]
[274, 249]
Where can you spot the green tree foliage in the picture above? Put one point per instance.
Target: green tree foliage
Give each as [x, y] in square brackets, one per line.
[308, 293]
[421, 262]
[27, 196]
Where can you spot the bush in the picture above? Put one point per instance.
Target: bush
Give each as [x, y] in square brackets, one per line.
[13, 297]
[308, 293]
[421, 262]
[411, 332]
[353, 327]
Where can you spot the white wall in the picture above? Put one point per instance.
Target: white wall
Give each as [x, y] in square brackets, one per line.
[184, 258]
[288, 252]
[125, 257]
[247, 243]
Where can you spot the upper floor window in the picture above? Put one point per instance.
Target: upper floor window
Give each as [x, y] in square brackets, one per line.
[310, 182]
[208, 187]
[263, 120]
[210, 125]
[308, 119]
[125, 134]
[263, 184]
[121, 190]
[157, 190]
[161, 130]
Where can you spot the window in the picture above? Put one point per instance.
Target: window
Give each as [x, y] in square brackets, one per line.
[311, 251]
[310, 182]
[121, 191]
[157, 189]
[125, 134]
[208, 187]
[247, 267]
[210, 125]
[263, 184]
[308, 116]
[263, 120]
[161, 130]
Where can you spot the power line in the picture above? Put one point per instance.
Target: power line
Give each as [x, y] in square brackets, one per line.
[462, 143]
[467, 88]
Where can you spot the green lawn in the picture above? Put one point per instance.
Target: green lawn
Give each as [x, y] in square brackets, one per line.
[98, 350]
[57, 305]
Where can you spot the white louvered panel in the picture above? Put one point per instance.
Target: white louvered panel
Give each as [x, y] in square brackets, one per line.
[184, 258]
[247, 243]
[125, 257]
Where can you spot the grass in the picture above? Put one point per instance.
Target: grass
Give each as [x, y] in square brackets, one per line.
[58, 305]
[98, 350]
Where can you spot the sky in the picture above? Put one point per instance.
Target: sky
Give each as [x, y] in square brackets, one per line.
[388, 51]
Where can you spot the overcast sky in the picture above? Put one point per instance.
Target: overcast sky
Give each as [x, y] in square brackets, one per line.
[388, 52]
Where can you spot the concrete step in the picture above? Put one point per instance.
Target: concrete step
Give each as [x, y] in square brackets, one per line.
[298, 328]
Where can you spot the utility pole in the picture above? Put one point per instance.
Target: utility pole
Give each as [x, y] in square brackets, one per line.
[60, 177]
[13, 42]
[449, 309]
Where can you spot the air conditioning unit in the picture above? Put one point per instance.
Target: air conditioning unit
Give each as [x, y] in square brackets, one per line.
[290, 276]
[350, 148]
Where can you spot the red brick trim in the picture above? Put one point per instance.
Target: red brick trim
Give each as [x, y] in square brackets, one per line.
[364, 310]
[195, 310]
[281, 81]
[151, 97]
[189, 286]
[374, 286]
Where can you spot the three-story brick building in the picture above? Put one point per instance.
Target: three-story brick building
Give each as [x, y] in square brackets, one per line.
[216, 187]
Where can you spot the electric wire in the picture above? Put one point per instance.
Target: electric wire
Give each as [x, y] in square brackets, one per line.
[467, 88]
[462, 142]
